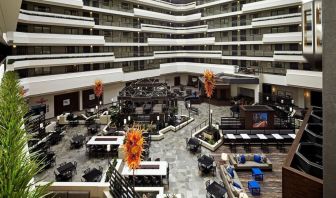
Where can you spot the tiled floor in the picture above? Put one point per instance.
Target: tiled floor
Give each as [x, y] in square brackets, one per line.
[184, 175]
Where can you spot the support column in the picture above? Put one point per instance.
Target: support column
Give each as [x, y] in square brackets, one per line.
[80, 100]
[329, 98]
[301, 98]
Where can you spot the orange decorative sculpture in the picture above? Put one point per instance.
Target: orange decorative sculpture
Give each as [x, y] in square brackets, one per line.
[209, 86]
[98, 88]
[133, 147]
[209, 82]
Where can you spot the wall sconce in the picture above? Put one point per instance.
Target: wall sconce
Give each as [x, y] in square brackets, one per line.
[293, 101]
[307, 94]
[129, 118]
[158, 118]
[125, 121]
[290, 109]
[282, 101]
[267, 98]
[273, 89]
[100, 102]
[97, 107]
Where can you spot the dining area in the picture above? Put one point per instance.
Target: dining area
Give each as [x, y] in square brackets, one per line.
[104, 146]
[65, 171]
[193, 145]
[92, 174]
[215, 189]
[206, 164]
[150, 173]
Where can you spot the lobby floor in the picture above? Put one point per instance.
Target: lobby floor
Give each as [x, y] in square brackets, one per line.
[184, 176]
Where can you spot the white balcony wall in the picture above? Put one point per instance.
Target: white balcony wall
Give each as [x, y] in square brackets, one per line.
[188, 54]
[224, 29]
[166, 5]
[59, 83]
[55, 19]
[268, 4]
[301, 78]
[222, 15]
[212, 3]
[273, 79]
[181, 42]
[287, 19]
[288, 37]
[106, 27]
[173, 30]
[289, 56]
[166, 17]
[65, 3]
[42, 39]
[108, 11]
[59, 60]
[187, 67]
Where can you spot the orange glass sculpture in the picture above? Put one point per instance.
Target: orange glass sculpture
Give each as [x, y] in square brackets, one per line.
[209, 82]
[133, 148]
[98, 88]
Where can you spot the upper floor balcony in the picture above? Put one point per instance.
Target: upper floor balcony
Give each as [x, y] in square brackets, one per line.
[176, 7]
[166, 17]
[63, 3]
[188, 54]
[288, 37]
[44, 39]
[173, 30]
[286, 19]
[289, 56]
[268, 4]
[33, 61]
[180, 42]
[44, 18]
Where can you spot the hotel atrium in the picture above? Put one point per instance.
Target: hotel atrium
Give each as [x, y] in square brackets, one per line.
[167, 98]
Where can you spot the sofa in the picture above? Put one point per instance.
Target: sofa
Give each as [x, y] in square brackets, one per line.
[228, 181]
[264, 164]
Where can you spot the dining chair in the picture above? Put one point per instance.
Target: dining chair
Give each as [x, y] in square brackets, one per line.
[86, 171]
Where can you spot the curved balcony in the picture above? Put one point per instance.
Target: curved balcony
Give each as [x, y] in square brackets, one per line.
[173, 30]
[44, 18]
[313, 133]
[308, 158]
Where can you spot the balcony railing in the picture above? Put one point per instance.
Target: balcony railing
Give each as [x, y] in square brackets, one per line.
[256, 37]
[257, 53]
[227, 25]
[256, 70]
[132, 54]
[125, 39]
[105, 6]
[135, 68]
[117, 24]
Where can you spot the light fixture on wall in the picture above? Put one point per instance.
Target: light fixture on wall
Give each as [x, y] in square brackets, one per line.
[307, 94]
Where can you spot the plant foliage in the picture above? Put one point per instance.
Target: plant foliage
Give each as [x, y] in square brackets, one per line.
[17, 166]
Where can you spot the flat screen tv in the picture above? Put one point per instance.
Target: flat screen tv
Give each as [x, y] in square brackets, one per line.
[260, 120]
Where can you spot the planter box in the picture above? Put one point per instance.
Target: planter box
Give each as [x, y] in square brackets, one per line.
[211, 147]
[160, 136]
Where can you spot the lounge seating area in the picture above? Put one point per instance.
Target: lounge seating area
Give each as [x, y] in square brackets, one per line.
[231, 181]
[249, 161]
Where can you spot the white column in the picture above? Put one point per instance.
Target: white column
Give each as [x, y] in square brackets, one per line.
[80, 100]
[300, 100]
